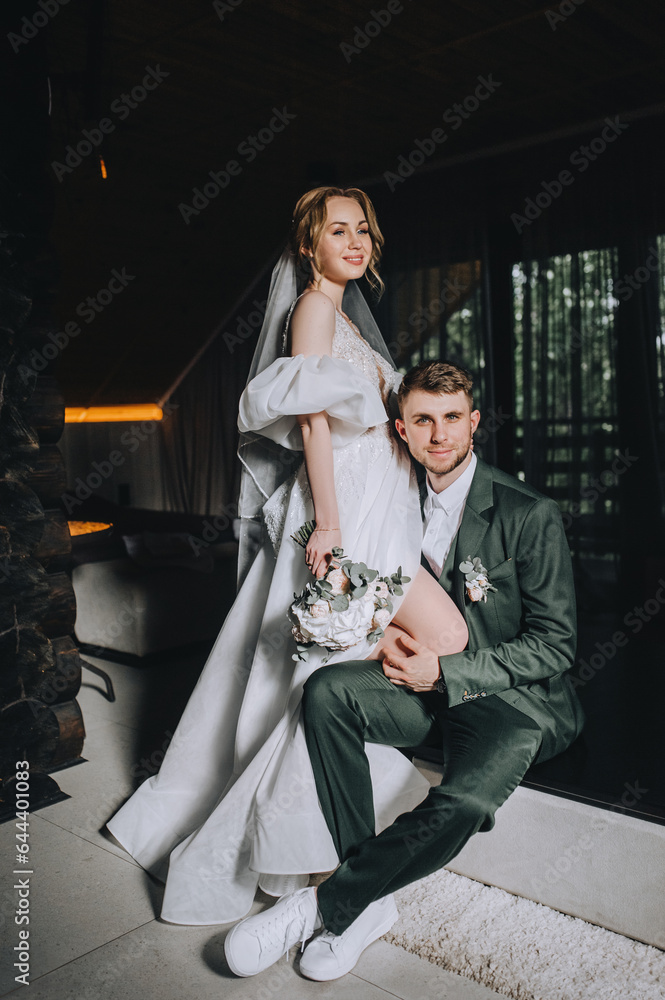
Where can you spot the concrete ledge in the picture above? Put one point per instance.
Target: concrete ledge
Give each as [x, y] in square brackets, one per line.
[592, 863]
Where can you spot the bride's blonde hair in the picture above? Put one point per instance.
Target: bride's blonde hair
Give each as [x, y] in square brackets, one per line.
[308, 223]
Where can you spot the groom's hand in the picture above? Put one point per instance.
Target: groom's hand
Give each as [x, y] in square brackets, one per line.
[417, 669]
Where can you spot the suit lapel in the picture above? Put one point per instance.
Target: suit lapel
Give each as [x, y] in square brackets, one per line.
[471, 531]
[447, 578]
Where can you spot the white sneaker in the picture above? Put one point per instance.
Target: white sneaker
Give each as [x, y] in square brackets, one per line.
[256, 942]
[330, 956]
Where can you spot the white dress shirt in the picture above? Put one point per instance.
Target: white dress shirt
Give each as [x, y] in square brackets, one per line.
[443, 515]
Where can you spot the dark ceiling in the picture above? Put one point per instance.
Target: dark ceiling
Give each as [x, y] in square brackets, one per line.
[344, 105]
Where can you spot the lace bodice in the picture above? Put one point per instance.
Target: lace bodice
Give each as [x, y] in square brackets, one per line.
[350, 346]
[353, 462]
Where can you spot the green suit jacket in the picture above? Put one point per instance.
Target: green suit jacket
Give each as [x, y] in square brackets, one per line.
[522, 640]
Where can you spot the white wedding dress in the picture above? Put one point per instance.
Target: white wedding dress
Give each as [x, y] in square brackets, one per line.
[235, 795]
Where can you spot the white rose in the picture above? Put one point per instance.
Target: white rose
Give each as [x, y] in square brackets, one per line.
[312, 621]
[381, 618]
[381, 590]
[335, 629]
[339, 581]
[475, 592]
[351, 626]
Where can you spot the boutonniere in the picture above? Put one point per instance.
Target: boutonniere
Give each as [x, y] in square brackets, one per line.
[476, 580]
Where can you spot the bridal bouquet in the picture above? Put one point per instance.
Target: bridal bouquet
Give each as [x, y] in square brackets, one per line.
[349, 603]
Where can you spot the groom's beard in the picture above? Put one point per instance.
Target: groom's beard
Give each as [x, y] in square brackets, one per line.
[441, 467]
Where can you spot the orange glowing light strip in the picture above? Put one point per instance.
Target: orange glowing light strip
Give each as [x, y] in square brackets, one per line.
[103, 167]
[87, 527]
[108, 414]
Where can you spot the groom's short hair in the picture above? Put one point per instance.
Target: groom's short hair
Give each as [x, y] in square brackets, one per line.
[438, 377]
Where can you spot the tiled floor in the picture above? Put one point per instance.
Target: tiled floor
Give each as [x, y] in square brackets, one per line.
[94, 927]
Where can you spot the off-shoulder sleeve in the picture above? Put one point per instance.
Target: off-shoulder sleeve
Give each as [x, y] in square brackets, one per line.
[291, 386]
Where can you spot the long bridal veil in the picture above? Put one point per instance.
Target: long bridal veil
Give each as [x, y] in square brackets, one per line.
[266, 465]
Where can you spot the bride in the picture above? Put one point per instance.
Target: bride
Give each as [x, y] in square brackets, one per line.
[234, 804]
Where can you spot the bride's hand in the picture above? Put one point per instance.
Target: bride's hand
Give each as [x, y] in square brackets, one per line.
[318, 553]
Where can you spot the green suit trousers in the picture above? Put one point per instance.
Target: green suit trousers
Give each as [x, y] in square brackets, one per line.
[488, 745]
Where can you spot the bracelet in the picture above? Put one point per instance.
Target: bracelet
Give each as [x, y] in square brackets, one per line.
[326, 529]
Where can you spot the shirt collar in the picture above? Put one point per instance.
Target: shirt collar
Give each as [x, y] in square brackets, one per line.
[455, 494]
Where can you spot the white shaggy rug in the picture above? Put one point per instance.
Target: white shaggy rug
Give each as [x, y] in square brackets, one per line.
[520, 948]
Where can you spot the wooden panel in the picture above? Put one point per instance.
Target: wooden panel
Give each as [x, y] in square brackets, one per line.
[44, 736]
[48, 479]
[21, 515]
[60, 614]
[55, 546]
[46, 410]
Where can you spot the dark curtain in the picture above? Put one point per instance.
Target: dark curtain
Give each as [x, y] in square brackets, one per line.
[198, 437]
[200, 472]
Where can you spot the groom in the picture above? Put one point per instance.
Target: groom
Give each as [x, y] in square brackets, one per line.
[495, 708]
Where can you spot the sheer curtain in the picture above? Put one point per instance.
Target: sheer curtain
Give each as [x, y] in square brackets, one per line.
[565, 392]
